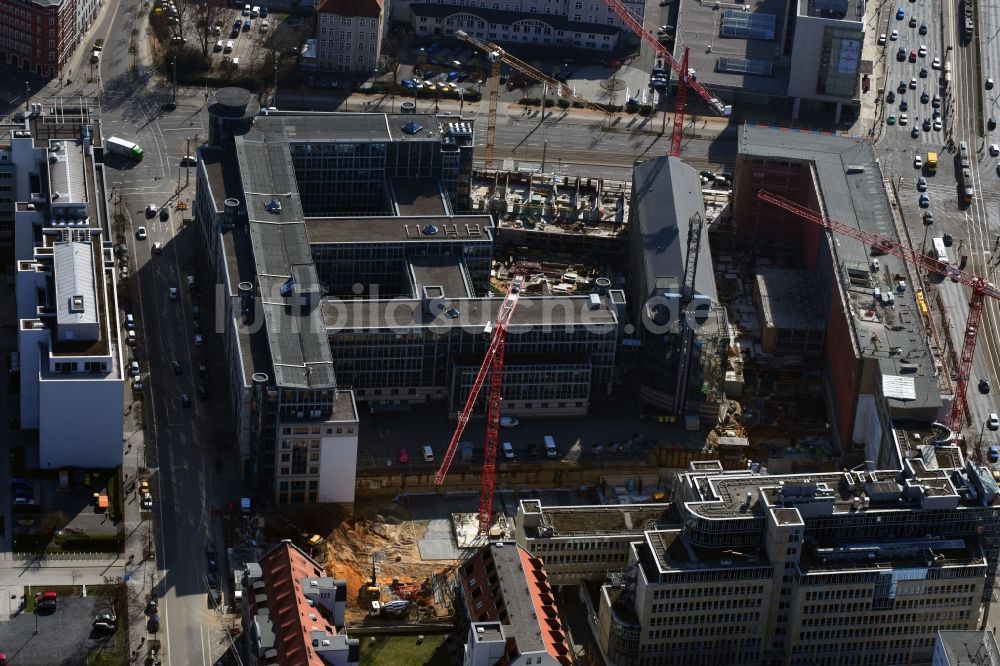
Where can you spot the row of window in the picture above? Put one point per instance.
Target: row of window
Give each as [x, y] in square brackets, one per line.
[65, 367]
[359, 21]
[708, 605]
[869, 617]
[687, 592]
[869, 632]
[346, 46]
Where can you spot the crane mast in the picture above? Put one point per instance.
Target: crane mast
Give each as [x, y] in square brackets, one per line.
[493, 367]
[981, 289]
[684, 78]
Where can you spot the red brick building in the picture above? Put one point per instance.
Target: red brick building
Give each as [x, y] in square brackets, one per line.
[38, 35]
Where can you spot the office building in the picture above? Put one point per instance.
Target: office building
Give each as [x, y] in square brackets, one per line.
[586, 24]
[827, 57]
[7, 197]
[70, 343]
[880, 368]
[852, 567]
[349, 35]
[40, 35]
[508, 609]
[584, 543]
[344, 232]
[805, 56]
[672, 284]
[293, 614]
[965, 648]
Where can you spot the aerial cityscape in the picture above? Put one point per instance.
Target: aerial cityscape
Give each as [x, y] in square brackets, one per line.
[454, 333]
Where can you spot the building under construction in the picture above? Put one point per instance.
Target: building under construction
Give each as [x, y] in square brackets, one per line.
[826, 325]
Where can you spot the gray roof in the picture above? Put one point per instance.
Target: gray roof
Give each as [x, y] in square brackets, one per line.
[446, 272]
[859, 199]
[666, 194]
[66, 172]
[969, 648]
[334, 127]
[76, 290]
[385, 229]
[785, 297]
[699, 23]
[300, 352]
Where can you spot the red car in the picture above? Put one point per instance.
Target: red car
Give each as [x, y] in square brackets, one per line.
[913, 55]
[403, 455]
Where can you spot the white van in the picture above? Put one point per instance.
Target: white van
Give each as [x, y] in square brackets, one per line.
[508, 451]
[550, 447]
[428, 454]
[255, 12]
[229, 46]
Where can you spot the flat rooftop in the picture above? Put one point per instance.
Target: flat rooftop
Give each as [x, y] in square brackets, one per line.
[414, 197]
[445, 272]
[305, 127]
[847, 173]
[702, 23]
[784, 295]
[421, 229]
[618, 520]
[470, 314]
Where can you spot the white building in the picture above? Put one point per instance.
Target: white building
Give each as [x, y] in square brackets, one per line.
[349, 35]
[588, 24]
[86, 14]
[72, 358]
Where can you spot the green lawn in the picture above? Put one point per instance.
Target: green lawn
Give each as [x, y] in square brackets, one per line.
[396, 650]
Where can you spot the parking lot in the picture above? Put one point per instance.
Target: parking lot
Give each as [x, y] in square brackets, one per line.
[65, 636]
[613, 429]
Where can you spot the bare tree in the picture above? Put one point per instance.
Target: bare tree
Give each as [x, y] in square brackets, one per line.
[207, 15]
[394, 48]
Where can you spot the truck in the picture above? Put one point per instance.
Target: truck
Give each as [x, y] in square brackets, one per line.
[120, 146]
[550, 446]
[932, 162]
[940, 251]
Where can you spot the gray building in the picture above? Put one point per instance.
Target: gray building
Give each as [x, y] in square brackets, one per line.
[666, 205]
[966, 648]
[840, 568]
[346, 272]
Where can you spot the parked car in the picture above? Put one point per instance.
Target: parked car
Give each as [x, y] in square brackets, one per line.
[153, 623]
[984, 386]
[994, 453]
[993, 423]
[509, 422]
[46, 601]
[403, 455]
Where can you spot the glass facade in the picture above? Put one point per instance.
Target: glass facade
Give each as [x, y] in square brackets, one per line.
[840, 62]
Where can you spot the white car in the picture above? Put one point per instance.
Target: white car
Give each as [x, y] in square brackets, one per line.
[173, 293]
[913, 84]
[936, 63]
[509, 422]
[881, 39]
[993, 423]
[894, 35]
[918, 162]
[903, 119]
[922, 51]
[994, 149]
[921, 184]
[140, 233]
[937, 125]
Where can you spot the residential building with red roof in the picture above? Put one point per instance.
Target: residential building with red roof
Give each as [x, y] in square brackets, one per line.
[292, 612]
[511, 610]
[349, 35]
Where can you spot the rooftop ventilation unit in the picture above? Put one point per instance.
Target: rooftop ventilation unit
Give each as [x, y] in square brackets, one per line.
[273, 206]
[76, 303]
[411, 127]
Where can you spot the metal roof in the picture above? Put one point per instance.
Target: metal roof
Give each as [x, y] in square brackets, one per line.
[76, 290]
[666, 194]
[67, 184]
[334, 127]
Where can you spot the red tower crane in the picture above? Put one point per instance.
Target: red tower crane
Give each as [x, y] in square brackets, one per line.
[980, 287]
[684, 78]
[492, 366]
